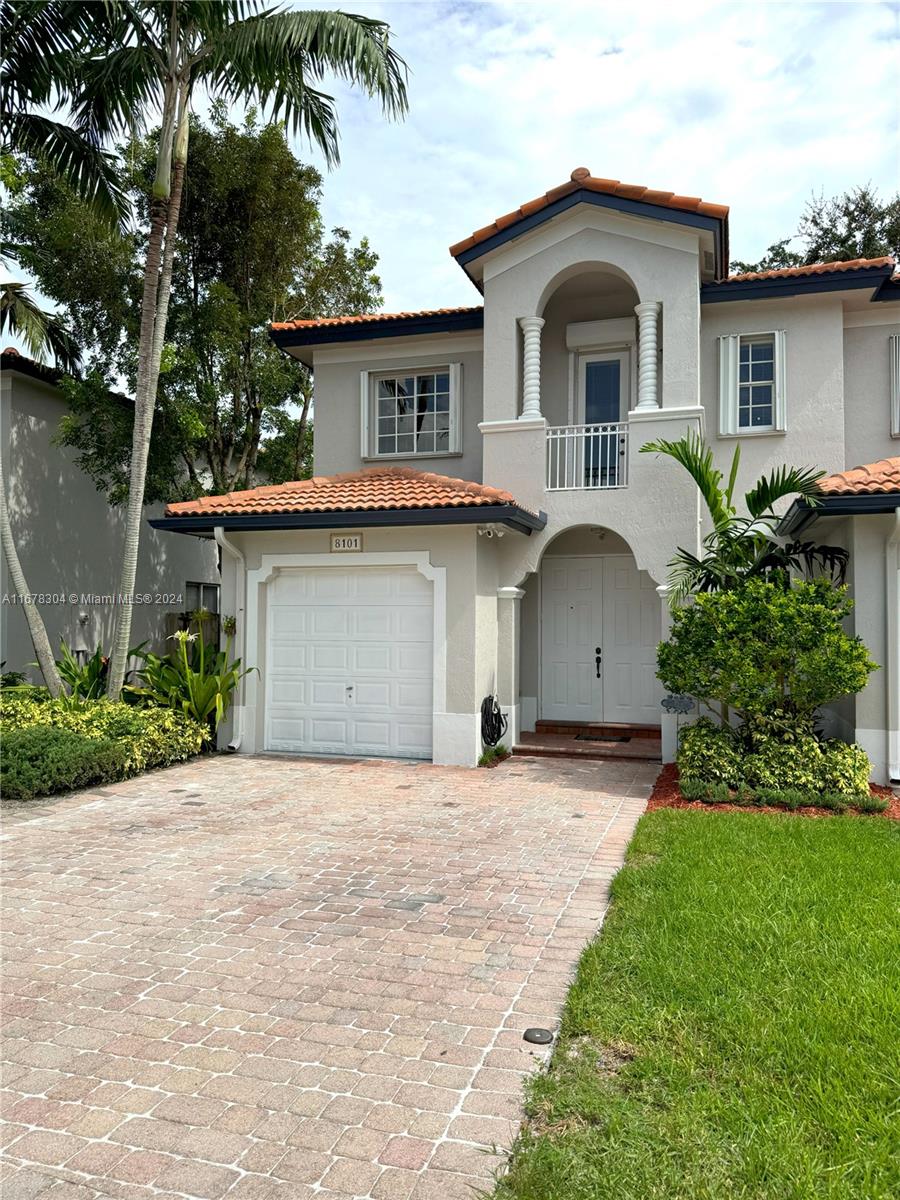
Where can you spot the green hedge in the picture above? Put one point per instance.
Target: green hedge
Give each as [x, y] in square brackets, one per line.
[715, 761]
[55, 745]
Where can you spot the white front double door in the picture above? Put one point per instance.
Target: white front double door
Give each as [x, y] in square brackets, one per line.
[600, 627]
[349, 662]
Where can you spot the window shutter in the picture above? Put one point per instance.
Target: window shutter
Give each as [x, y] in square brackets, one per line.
[365, 441]
[780, 410]
[894, 342]
[455, 441]
[728, 384]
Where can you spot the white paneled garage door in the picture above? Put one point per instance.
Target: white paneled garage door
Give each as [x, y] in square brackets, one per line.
[350, 661]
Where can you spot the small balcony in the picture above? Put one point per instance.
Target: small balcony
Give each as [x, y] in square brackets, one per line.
[587, 457]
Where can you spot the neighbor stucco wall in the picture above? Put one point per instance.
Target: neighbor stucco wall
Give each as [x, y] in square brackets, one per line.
[867, 406]
[336, 428]
[69, 540]
[869, 559]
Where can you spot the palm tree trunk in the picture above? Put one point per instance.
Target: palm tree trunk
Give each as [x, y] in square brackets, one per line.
[154, 310]
[36, 626]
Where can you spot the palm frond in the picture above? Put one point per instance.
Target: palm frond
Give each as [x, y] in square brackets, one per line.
[278, 60]
[91, 172]
[697, 459]
[783, 481]
[41, 331]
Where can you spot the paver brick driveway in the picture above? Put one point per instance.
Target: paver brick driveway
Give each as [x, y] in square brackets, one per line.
[269, 978]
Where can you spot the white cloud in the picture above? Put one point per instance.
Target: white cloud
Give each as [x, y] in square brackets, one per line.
[751, 105]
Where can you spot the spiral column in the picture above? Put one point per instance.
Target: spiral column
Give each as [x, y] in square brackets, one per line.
[648, 390]
[531, 367]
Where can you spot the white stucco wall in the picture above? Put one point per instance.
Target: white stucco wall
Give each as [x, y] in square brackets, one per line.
[867, 412]
[69, 540]
[814, 385]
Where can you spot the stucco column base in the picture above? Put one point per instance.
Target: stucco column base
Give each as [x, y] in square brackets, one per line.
[457, 739]
[508, 607]
[668, 721]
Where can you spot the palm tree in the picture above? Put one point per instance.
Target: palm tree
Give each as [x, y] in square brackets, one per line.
[741, 547]
[140, 58]
[36, 626]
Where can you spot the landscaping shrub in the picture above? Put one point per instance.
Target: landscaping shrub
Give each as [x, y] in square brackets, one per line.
[763, 648]
[844, 769]
[142, 738]
[709, 753]
[780, 765]
[769, 654]
[871, 804]
[41, 759]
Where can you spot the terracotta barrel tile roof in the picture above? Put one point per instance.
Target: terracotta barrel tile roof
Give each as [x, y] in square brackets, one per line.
[878, 478]
[362, 491]
[365, 318]
[581, 178]
[853, 264]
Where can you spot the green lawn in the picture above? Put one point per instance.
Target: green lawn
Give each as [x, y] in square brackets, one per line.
[735, 1031]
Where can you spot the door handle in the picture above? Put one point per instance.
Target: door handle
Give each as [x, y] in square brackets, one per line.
[598, 660]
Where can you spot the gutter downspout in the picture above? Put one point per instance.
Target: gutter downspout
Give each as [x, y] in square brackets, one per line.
[240, 601]
[892, 598]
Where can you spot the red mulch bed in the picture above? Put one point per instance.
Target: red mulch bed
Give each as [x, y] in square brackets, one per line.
[667, 794]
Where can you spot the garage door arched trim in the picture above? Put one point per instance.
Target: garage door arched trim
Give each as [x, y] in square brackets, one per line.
[272, 564]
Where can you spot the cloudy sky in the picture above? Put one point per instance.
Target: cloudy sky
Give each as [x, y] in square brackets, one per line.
[752, 105]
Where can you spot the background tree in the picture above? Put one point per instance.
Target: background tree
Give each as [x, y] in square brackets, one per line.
[143, 57]
[855, 224]
[231, 409]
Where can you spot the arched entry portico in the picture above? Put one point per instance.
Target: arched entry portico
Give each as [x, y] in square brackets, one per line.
[590, 623]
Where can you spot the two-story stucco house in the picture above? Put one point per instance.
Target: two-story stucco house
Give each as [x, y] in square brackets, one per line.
[483, 522]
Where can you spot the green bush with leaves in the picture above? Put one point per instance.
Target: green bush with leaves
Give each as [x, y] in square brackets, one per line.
[762, 649]
[40, 760]
[143, 737]
[844, 769]
[709, 753]
[778, 765]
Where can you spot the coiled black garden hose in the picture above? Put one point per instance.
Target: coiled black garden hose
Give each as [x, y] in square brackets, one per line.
[493, 723]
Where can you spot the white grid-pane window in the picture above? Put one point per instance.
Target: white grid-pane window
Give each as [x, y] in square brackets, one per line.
[756, 383]
[413, 413]
[752, 374]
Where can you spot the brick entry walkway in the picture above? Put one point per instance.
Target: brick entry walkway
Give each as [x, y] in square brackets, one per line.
[274, 979]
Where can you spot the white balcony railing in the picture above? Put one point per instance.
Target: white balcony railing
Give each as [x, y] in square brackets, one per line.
[587, 456]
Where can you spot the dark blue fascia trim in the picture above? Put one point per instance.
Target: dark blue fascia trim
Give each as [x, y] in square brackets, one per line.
[889, 290]
[792, 285]
[511, 515]
[635, 208]
[365, 331]
[801, 514]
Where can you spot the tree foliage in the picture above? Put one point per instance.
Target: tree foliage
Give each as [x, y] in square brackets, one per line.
[231, 409]
[771, 655]
[856, 224]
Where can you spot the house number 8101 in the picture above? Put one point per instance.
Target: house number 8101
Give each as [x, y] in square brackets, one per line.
[344, 542]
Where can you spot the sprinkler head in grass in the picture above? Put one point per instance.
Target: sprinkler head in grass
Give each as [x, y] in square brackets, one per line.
[538, 1037]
